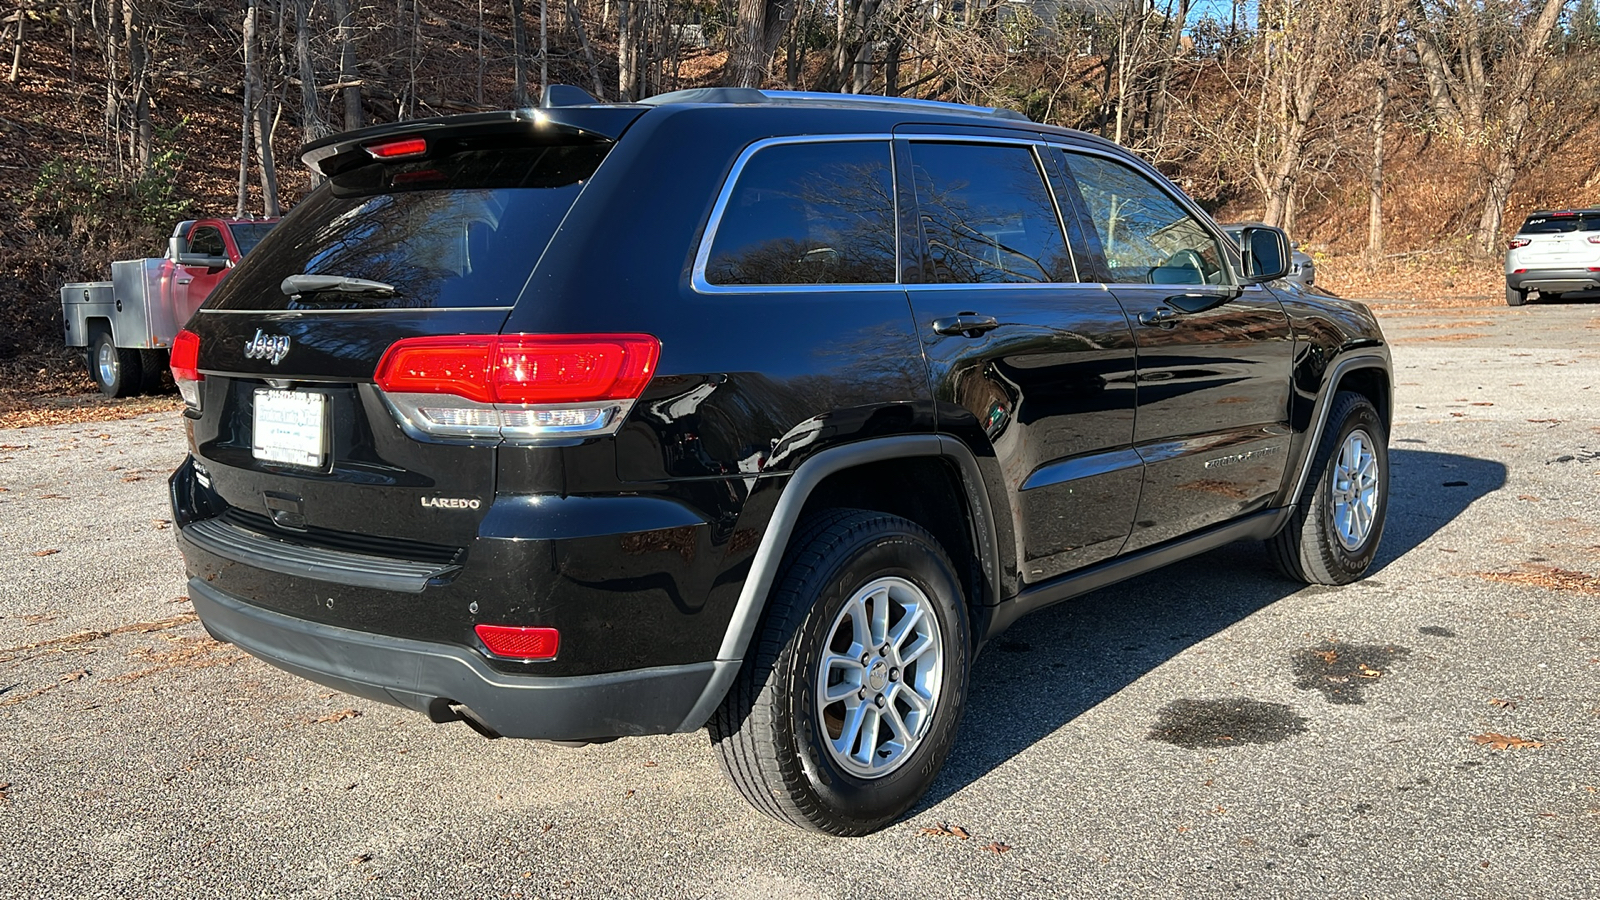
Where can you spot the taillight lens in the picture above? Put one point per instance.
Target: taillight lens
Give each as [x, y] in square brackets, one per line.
[513, 642]
[1520, 242]
[516, 387]
[186, 367]
[1594, 238]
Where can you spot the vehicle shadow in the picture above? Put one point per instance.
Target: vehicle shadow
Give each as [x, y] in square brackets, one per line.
[1060, 662]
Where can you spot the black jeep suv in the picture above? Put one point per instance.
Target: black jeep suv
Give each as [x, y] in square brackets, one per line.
[752, 410]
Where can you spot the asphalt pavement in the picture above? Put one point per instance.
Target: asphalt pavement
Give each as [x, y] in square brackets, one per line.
[1208, 730]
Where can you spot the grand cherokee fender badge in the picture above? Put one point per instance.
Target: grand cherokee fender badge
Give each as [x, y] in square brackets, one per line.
[451, 502]
[270, 347]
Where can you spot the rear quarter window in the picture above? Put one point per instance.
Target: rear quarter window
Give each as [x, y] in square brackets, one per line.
[808, 213]
[1561, 224]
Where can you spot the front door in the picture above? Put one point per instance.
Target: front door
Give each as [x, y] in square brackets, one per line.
[195, 283]
[1214, 362]
[1024, 358]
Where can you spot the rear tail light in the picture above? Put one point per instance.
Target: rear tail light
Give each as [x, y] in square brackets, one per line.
[1518, 242]
[513, 642]
[516, 387]
[1594, 238]
[186, 367]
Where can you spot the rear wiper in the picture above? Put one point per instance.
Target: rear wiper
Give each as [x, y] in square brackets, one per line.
[295, 285]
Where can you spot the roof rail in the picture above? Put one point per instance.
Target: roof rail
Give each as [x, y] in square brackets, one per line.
[752, 95]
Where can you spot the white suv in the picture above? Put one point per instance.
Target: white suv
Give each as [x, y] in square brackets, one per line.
[1554, 252]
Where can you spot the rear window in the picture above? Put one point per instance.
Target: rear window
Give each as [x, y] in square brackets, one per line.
[247, 236]
[1561, 224]
[463, 231]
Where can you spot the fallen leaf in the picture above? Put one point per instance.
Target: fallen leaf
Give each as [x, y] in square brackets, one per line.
[1496, 741]
[1503, 704]
[649, 764]
[74, 676]
[944, 830]
[360, 858]
[1529, 497]
[50, 552]
[996, 847]
[546, 828]
[627, 794]
[339, 716]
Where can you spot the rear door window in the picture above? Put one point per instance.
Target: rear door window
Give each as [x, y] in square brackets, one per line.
[463, 231]
[987, 215]
[808, 213]
[1146, 236]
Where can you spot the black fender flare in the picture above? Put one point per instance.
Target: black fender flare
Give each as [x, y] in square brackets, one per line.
[786, 516]
[1367, 357]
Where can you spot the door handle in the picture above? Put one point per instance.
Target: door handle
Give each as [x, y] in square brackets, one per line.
[1161, 318]
[185, 280]
[966, 324]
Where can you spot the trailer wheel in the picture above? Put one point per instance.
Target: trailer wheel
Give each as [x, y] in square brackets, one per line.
[114, 370]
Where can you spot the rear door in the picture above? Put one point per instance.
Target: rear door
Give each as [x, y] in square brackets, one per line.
[1023, 356]
[1214, 363]
[293, 434]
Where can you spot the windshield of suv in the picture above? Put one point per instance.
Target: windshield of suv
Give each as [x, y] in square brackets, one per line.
[1561, 224]
[246, 236]
[462, 231]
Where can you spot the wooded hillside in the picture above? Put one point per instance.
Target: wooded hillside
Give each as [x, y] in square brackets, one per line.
[1400, 139]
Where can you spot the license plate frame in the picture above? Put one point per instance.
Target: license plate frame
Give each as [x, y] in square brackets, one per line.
[290, 428]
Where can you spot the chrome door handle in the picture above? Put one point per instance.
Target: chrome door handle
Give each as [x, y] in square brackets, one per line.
[1161, 318]
[184, 280]
[966, 324]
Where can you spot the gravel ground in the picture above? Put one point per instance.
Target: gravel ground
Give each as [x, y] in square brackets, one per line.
[1208, 730]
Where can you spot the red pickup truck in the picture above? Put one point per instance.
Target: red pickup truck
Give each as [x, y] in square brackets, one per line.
[127, 324]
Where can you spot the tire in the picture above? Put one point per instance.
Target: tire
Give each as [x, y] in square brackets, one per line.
[114, 370]
[1324, 541]
[775, 738]
[153, 366]
[1515, 297]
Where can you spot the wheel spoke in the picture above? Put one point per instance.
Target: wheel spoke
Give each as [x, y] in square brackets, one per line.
[871, 725]
[905, 625]
[846, 743]
[860, 628]
[880, 616]
[897, 726]
[922, 646]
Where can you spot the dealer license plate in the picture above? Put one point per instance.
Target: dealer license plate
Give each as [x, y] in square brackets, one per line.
[291, 427]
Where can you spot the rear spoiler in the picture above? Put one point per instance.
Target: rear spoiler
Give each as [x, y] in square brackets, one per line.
[595, 124]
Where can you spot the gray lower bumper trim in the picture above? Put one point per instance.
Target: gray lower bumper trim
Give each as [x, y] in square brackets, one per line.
[337, 566]
[417, 674]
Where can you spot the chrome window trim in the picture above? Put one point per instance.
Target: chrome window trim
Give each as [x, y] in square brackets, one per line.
[1185, 203]
[702, 256]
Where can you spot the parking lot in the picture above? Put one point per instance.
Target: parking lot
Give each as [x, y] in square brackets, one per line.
[1210, 729]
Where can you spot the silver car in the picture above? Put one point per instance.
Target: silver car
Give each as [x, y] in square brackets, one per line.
[1302, 268]
[1554, 252]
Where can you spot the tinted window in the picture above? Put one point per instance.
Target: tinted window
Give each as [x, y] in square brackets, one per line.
[247, 236]
[207, 241]
[987, 217]
[463, 231]
[809, 214]
[1146, 236]
[1561, 224]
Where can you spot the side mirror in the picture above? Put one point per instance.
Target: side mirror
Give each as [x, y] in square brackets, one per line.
[1266, 253]
[177, 246]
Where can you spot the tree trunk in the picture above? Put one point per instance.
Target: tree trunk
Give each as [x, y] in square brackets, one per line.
[1156, 122]
[16, 52]
[311, 123]
[140, 129]
[249, 36]
[258, 106]
[1509, 146]
[113, 55]
[1434, 70]
[519, 50]
[625, 83]
[349, 72]
[1380, 128]
[544, 45]
[758, 29]
[588, 52]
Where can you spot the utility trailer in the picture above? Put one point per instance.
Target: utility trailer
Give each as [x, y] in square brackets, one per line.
[126, 325]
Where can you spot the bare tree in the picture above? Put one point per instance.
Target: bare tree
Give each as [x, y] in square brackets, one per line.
[349, 72]
[1383, 72]
[1508, 147]
[255, 128]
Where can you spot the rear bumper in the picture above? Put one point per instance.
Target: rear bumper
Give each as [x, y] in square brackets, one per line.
[1554, 280]
[439, 679]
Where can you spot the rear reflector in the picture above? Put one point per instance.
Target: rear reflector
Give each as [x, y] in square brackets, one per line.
[185, 357]
[517, 386]
[513, 642]
[1518, 242]
[398, 149]
[1594, 238]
